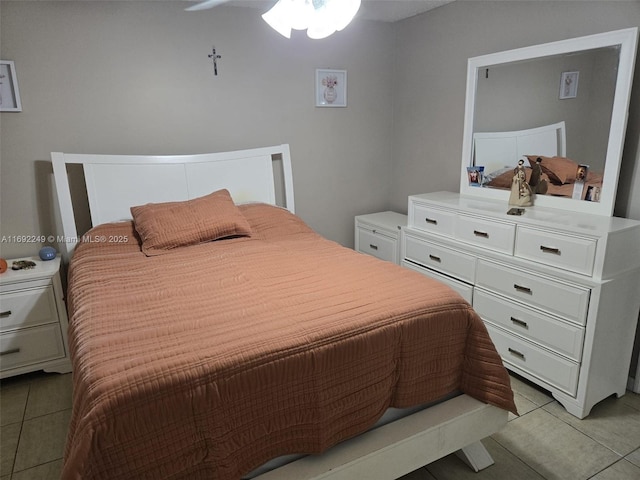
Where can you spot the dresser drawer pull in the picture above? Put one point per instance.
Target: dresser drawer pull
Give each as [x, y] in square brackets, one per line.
[520, 323]
[373, 247]
[478, 233]
[431, 221]
[522, 289]
[5, 314]
[516, 353]
[434, 258]
[550, 250]
[9, 352]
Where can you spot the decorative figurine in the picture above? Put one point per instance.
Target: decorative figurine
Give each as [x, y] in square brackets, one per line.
[536, 182]
[521, 194]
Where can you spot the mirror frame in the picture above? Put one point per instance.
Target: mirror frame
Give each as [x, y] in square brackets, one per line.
[627, 39]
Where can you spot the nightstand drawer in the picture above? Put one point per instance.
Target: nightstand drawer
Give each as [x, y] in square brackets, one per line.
[22, 308]
[576, 254]
[464, 289]
[553, 333]
[489, 234]
[557, 371]
[30, 345]
[434, 220]
[558, 298]
[378, 245]
[442, 259]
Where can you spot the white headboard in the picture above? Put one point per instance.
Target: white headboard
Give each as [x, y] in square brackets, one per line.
[496, 150]
[115, 183]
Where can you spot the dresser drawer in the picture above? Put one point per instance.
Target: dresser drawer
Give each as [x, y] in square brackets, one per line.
[430, 219]
[489, 234]
[555, 297]
[553, 333]
[576, 254]
[464, 289]
[440, 258]
[30, 345]
[22, 308]
[553, 369]
[380, 246]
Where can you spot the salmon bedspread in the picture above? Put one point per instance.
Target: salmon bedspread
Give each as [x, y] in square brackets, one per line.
[212, 359]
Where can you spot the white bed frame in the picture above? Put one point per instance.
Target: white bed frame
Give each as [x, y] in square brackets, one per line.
[115, 183]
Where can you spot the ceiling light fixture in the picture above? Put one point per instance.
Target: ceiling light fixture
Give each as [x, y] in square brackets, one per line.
[320, 18]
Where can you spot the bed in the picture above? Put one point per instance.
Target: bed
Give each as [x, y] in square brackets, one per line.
[499, 152]
[213, 332]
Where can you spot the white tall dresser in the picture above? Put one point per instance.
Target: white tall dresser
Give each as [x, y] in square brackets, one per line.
[559, 291]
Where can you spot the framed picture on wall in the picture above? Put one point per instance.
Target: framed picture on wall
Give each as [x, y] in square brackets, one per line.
[9, 94]
[569, 85]
[331, 88]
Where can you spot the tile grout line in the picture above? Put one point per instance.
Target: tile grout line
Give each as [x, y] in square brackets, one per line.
[513, 453]
[24, 413]
[592, 438]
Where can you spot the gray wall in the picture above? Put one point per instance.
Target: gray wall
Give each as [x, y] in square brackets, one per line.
[134, 77]
[431, 55]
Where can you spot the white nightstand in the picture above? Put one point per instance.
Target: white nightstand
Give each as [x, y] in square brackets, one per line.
[378, 234]
[33, 320]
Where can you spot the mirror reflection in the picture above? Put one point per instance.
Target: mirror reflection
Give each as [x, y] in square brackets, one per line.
[554, 111]
[562, 102]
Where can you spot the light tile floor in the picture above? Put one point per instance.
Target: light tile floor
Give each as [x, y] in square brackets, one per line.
[544, 442]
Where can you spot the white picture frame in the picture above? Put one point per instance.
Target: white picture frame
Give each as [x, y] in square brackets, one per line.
[331, 88]
[9, 93]
[569, 85]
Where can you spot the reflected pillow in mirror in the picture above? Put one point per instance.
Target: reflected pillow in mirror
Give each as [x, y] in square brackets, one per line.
[165, 226]
[560, 170]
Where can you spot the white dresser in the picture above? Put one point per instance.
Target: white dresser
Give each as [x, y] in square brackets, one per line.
[378, 234]
[33, 320]
[559, 291]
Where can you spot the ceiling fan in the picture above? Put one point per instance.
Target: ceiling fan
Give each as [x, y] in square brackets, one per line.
[320, 18]
[206, 5]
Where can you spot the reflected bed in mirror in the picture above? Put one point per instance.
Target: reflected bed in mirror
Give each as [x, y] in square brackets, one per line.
[563, 102]
[558, 176]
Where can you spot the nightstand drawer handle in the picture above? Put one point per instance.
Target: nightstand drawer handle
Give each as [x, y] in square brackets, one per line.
[519, 322]
[522, 289]
[373, 247]
[5, 314]
[434, 258]
[9, 352]
[550, 250]
[516, 353]
[478, 233]
[431, 221]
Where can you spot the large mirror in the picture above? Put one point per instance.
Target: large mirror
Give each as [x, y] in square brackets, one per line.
[562, 106]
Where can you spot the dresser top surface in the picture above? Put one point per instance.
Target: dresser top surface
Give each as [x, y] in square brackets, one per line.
[43, 269]
[576, 222]
[391, 220]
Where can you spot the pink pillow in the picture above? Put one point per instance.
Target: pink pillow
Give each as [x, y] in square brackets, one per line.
[165, 226]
